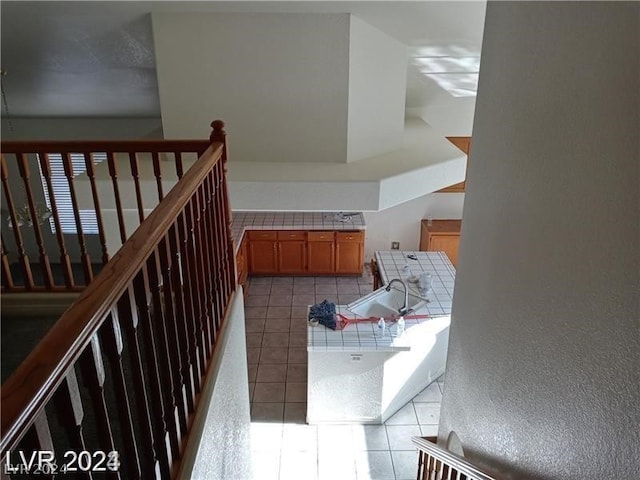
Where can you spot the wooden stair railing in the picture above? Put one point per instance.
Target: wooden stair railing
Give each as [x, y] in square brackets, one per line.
[74, 184]
[122, 369]
[436, 463]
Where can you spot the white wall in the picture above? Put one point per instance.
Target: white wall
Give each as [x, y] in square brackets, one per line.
[80, 128]
[451, 115]
[377, 83]
[426, 163]
[219, 444]
[542, 374]
[303, 196]
[279, 81]
[402, 222]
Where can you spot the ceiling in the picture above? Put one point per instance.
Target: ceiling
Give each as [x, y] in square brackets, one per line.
[96, 59]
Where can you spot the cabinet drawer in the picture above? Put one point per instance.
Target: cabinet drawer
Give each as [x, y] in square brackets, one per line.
[320, 236]
[355, 237]
[262, 235]
[291, 235]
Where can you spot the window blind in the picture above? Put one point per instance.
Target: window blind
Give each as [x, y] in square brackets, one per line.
[60, 187]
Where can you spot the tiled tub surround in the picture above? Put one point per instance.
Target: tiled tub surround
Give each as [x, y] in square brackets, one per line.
[357, 375]
[243, 221]
[285, 447]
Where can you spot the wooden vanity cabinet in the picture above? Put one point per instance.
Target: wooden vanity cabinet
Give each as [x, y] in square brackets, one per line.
[349, 252]
[292, 252]
[441, 236]
[321, 252]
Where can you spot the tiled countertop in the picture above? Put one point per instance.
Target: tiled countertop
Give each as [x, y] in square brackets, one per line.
[366, 336]
[294, 221]
[393, 264]
[359, 336]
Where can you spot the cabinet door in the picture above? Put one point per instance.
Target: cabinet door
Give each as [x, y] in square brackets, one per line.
[321, 252]
[262, 252]
[447, 244]
[292, 256]
[349, 252]
[262, 255]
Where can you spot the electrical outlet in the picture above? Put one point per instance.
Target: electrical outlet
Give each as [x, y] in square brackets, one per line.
[395, 245]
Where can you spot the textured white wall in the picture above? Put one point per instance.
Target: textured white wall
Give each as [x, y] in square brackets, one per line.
[280, 82]
[219, 447]
[542, 374]
[377, 84]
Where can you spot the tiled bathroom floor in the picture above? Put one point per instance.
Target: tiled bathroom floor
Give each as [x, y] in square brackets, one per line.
[283, 445]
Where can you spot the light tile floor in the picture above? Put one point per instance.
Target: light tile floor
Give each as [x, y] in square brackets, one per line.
[283, 445]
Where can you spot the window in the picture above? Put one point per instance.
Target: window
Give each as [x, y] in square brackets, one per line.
[60, 187]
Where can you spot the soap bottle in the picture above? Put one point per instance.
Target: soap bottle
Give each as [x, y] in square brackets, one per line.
[400, 326]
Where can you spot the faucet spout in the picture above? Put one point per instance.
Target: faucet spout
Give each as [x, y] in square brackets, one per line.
[402, 310]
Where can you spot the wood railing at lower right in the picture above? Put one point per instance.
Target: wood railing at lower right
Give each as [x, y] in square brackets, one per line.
[436, 463]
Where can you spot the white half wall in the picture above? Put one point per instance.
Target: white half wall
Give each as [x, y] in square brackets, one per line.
[543, 367]
[377, 84]
[279, 81]
[219, 446]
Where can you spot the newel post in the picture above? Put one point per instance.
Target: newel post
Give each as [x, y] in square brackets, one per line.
[219, 134]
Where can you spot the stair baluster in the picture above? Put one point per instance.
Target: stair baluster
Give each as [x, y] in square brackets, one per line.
[88, 160]
[84, 255]
[22, 254]
[65, 261]
[113, 344]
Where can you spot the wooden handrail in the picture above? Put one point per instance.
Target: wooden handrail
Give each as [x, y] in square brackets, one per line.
[33, 384]
[21, 161]
[436, 462]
